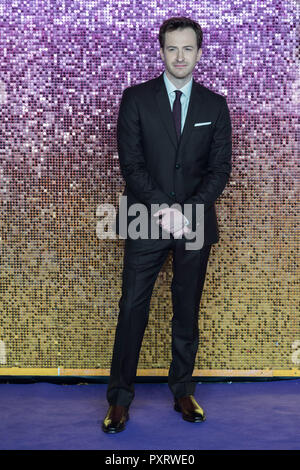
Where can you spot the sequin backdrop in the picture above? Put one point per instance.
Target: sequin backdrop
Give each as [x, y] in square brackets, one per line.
[64, 65]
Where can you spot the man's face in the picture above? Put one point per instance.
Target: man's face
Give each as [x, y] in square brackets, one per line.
[180, 53]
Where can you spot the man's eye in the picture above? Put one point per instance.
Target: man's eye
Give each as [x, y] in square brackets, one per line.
[187, 49]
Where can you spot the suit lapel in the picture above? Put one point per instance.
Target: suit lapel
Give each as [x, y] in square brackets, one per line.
[165, 112]
[195, 103]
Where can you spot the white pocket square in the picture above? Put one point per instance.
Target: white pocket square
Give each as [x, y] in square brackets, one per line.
[202, 123]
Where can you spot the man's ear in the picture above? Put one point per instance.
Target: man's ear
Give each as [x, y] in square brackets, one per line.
[199, 53]
[162, 54]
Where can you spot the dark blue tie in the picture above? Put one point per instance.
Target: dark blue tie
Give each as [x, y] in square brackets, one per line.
[177, 113]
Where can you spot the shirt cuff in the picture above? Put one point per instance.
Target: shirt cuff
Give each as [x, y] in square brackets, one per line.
[186, 221]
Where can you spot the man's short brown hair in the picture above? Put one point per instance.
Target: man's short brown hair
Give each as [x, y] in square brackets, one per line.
[179, 22]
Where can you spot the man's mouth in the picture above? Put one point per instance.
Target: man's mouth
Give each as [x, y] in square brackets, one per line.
[179, 65]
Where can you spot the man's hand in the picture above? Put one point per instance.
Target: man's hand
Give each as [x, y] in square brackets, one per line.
[173, 221]
[180, 232]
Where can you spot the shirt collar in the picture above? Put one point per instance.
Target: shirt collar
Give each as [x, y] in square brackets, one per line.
[186, 89]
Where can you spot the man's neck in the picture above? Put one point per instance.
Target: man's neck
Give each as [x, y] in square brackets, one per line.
[179, 82]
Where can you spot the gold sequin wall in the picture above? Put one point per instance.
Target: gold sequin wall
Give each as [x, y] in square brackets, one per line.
[64, 65]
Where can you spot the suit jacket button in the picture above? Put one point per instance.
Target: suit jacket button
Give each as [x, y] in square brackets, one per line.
[172, 194]
[177, 166]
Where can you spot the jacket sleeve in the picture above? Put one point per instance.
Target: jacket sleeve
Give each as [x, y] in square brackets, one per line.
[130, 150]
[218, 164]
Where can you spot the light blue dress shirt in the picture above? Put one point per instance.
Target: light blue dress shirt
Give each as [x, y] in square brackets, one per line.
[184, 99]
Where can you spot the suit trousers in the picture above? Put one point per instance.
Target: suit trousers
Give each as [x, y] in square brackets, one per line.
[143, 260]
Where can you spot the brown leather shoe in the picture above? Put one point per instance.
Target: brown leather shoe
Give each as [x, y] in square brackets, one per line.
[190, 409]
[115, 419]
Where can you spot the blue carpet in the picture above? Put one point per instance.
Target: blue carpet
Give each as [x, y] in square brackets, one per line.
[240, 416]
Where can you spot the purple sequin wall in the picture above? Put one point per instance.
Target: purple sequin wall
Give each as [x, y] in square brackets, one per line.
[64, 65]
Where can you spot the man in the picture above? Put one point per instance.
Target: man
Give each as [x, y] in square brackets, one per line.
[174, 144]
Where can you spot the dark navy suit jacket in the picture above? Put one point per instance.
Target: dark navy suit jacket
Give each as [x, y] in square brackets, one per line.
[158, 169]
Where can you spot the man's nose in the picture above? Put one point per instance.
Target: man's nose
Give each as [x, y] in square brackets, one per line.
[180, 56]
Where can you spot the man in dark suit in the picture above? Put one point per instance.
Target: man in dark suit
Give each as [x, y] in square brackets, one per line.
[174, 144]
